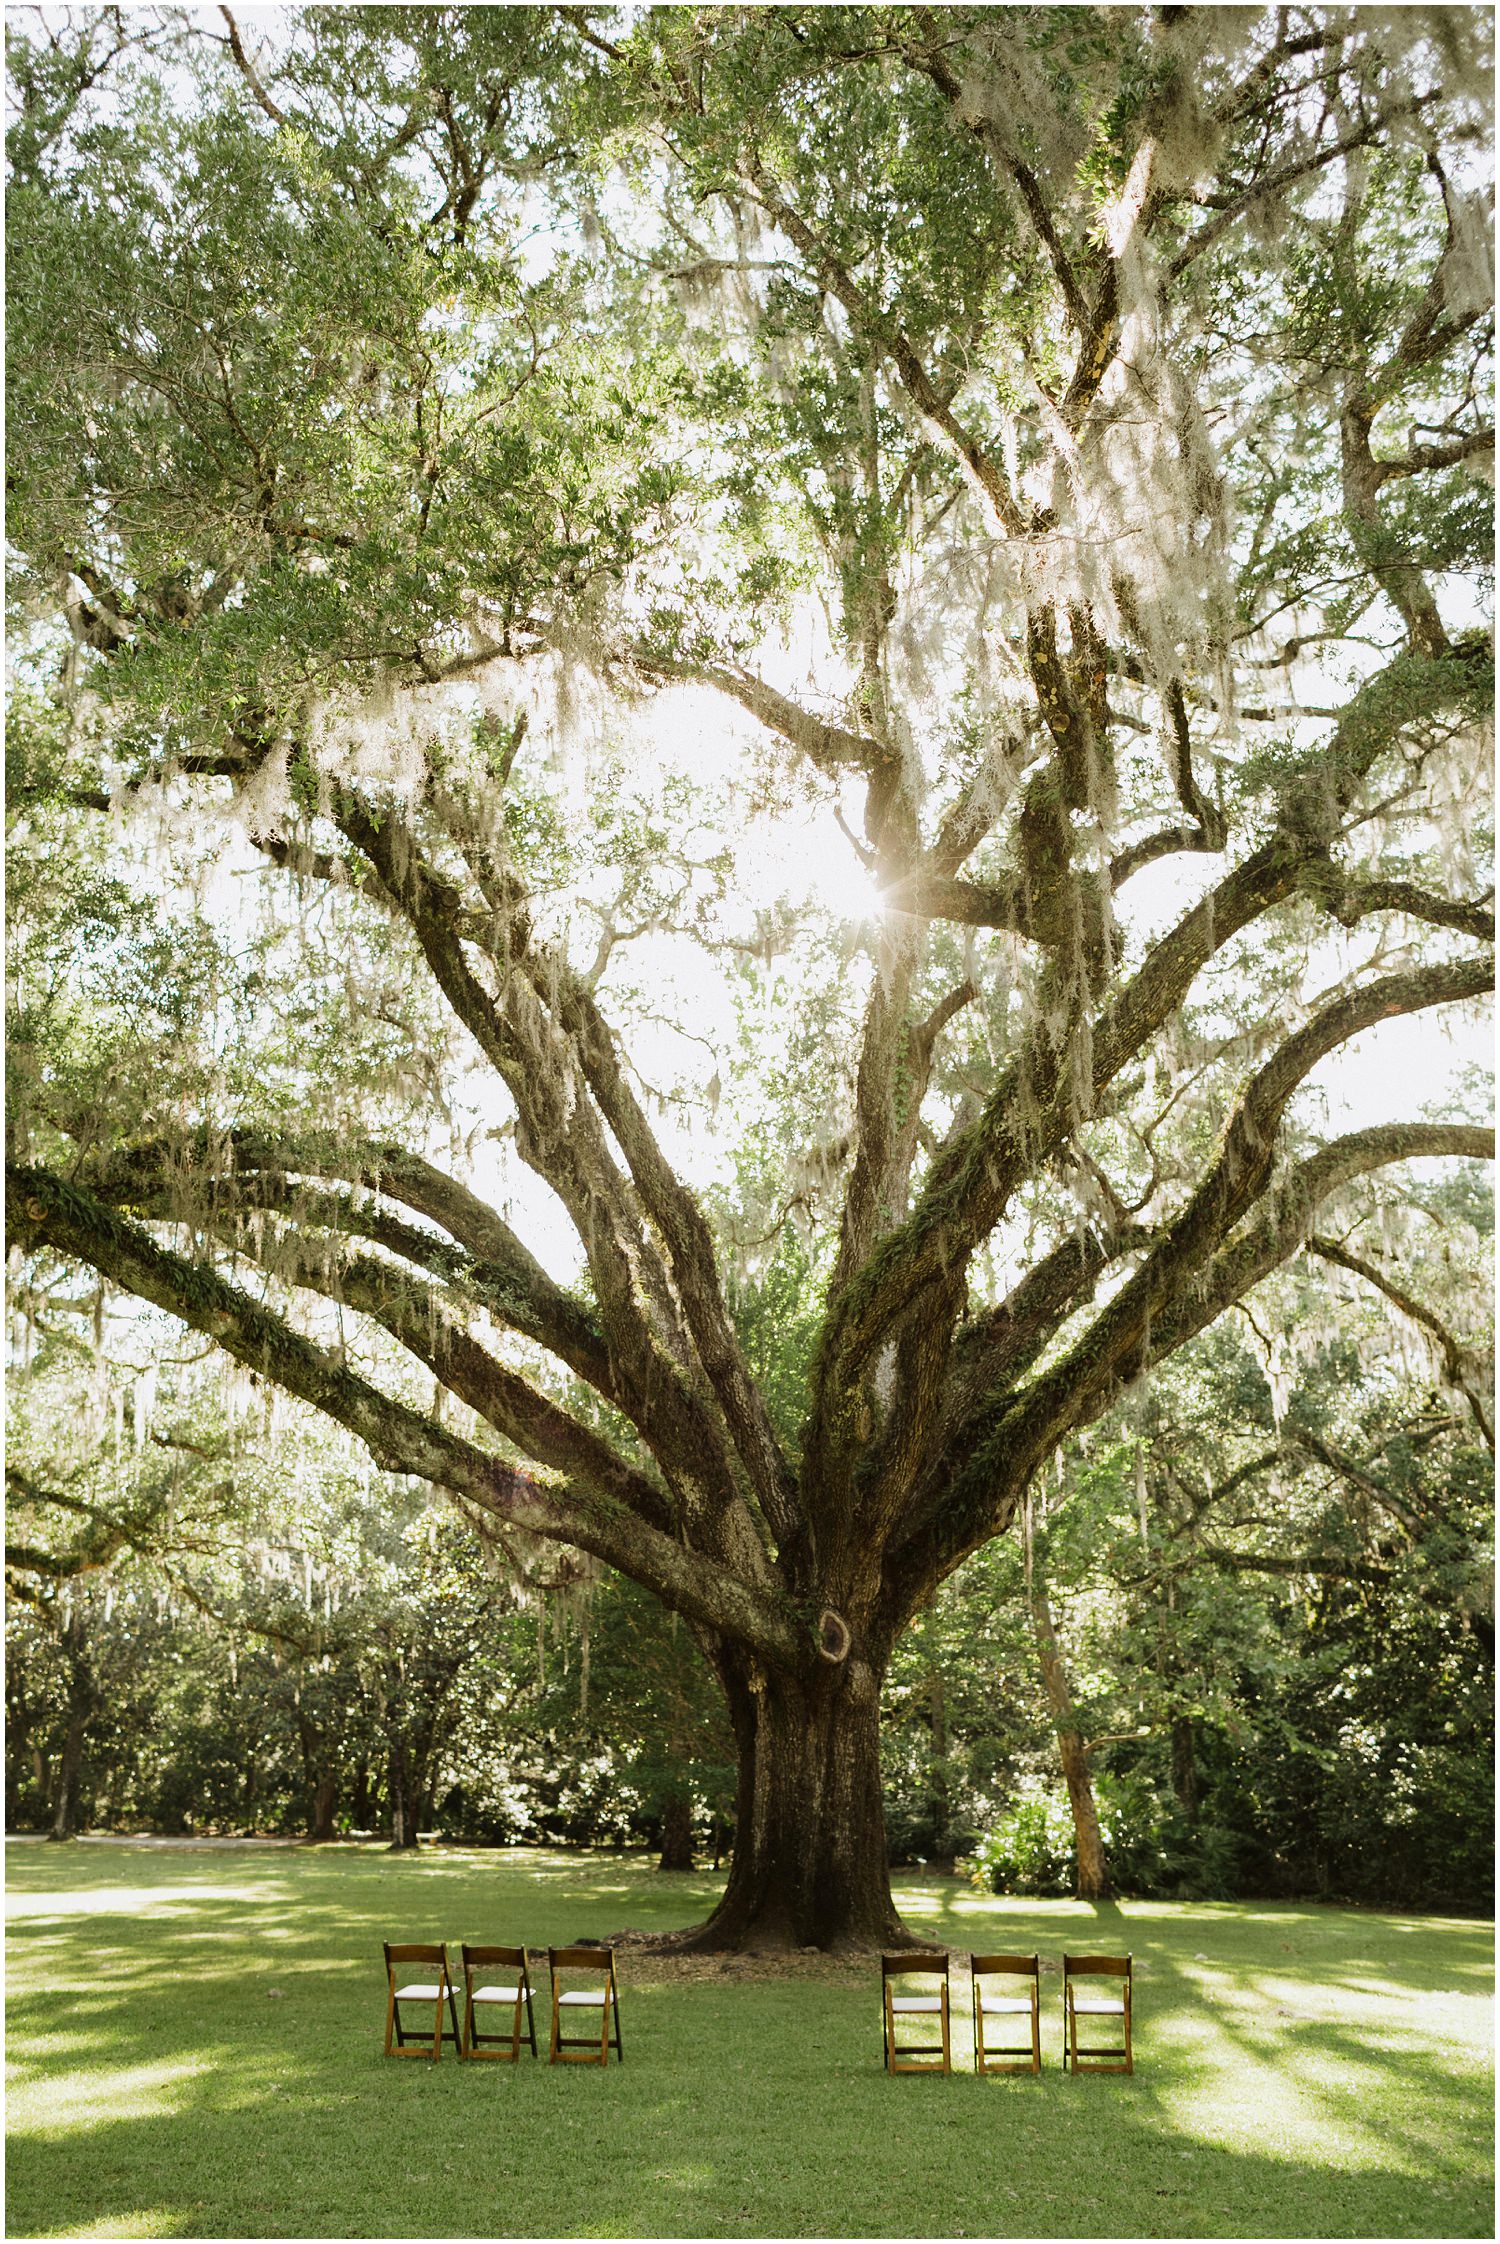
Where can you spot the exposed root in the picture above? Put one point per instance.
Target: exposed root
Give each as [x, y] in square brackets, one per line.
[701, 1952]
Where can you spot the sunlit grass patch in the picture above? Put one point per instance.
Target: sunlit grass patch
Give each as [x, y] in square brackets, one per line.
[197, 2056]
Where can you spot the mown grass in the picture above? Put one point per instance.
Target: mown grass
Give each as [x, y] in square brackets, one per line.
[195, 2048]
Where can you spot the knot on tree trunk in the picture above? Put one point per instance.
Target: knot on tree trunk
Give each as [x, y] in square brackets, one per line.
[834, 1636]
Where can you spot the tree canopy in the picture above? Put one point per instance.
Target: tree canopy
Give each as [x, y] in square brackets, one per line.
[482, 479]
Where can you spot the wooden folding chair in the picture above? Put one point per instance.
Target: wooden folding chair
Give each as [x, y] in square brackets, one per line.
[584, 2049]
[436, 1989]
[484, 1993]
[990, 2007]
[915, 2057]
[1076, 2006]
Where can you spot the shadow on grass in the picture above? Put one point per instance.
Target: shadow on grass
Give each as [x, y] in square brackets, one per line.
[1299, 2072]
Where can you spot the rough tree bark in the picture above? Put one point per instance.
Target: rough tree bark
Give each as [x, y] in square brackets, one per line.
[676, 1848]
[809, 1861]
[1094, 1882]
[64, 1824]
[403, 1798]
[82, 1705]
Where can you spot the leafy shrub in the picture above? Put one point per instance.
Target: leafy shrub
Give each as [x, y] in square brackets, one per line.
[1031, 1849]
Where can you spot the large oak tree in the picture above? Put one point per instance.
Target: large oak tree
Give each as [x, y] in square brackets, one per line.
[1052, 434]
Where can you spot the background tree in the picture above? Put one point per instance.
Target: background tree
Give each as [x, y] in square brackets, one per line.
[1054, 432]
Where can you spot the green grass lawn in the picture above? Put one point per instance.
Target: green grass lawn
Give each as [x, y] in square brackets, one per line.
[195, 2050]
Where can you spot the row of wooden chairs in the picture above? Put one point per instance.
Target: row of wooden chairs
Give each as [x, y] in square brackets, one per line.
[496, 1980]
[997, 2012]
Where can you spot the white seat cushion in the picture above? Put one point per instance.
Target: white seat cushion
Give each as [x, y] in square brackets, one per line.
[417, 1993]
[497, 1994]
[585, 1996]
[1098, 2006]
[1003, 2005]
[931, 2004]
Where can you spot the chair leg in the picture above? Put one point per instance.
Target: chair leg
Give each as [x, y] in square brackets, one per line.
[1036, 2032]
[947, 2043]
[390, 2017]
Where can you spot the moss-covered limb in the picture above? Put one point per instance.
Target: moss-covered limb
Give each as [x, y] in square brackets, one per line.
[30, 1561]
[102, 1537]
[426, 1326]
[1118, 1344]
[831, 748]
[1070, 695]
[1458, 1362]
[1269, 1562]
[1168, 971]
[216, 1176]
[982, 471]
[976, 809]
[1414, 1519]
[1205, 815]
[979, 1168]
[969, 903]
[542, 1309]
[1351, 900]
[981, 1498]
[1401, 578]
[323, 865]
[890, 1466]
[42, 1209]
[682, 1225]
[1432, 330]
[1168, 841]
[561, 1135]
[1280, 1228]
[930, 56]
[991, 1353]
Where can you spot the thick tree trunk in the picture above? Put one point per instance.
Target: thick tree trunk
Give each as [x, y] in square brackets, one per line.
[325, 1795]
[676, 1832]
[320, 1778]
[809, 1867]
[405, 1802]
[939, 1790]
[65, 1798]
[1184, 1766]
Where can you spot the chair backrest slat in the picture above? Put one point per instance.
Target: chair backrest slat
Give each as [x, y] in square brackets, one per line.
[416, 1952]
[582, 1959]
[1025, 1967]
[892, 1967]
[482, 1957]
[1096, 1967]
